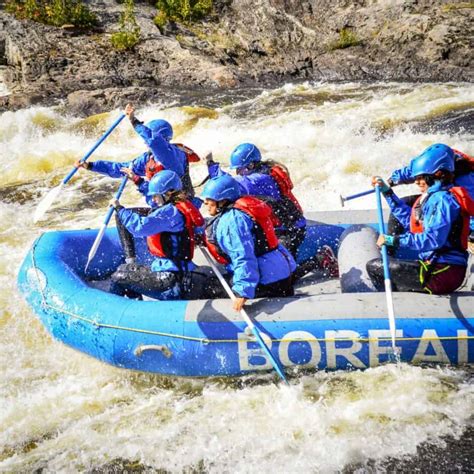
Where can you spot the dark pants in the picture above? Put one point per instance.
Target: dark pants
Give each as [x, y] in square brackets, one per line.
[292, 239]
[408, 275]
[284, 287]
[134, 280]
[126, 238]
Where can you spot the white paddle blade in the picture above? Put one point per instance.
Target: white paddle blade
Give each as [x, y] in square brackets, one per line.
[95, 245]
[46, 202]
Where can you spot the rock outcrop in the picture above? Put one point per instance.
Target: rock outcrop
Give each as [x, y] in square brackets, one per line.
[244, 42]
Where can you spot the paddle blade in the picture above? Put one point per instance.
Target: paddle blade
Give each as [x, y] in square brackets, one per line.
[46, 202]
[95, 245]
[267, 351]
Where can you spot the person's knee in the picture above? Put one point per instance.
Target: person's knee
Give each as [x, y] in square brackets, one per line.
[374, 269]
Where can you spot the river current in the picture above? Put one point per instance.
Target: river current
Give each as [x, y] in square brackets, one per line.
[61, 411]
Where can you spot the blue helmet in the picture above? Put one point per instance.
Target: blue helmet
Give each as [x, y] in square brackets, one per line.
[163, 182]
[221, 187]
[243, 155]
[435, 158]
[161, 127]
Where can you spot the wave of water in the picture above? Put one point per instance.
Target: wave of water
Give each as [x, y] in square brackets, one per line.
[62, 411]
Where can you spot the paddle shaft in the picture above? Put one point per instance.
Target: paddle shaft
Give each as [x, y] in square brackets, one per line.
[386, 269]
[245, 316]
[358, 195]
[97, 144]
[118, 195]
[108, 216]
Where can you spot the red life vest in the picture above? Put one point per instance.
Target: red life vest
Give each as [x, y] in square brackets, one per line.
[416, 218]
[152, 166]
[160, 244]
[467, 209]
[191, 155]
[264, 235]
[285, 184]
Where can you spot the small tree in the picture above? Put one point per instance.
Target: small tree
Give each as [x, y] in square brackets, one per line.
[129, 33]
[182, 10]
[53, 12]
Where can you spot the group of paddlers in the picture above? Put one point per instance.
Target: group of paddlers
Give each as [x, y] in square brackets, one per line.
[256, 224]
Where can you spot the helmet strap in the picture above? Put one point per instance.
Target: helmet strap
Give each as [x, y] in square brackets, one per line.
[222, 205]
[429, 179]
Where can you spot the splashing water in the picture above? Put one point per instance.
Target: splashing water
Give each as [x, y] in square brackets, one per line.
[62, 411]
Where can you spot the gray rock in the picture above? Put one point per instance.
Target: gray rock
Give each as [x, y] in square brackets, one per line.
[243, 43]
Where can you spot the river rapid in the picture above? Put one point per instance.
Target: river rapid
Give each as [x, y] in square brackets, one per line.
[61, 411]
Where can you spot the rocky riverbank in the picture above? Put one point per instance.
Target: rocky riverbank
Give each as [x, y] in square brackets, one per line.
[243, 43]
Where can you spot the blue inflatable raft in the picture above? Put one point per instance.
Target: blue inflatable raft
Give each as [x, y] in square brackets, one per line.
[321, 327]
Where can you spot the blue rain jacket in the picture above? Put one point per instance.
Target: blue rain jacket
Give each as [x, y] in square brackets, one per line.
[254, 184]
[440, 211]
[169, 155]
[162, 219]
[404, 176]
[234, 236]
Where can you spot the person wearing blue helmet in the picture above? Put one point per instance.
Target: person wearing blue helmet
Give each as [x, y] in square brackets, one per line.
[241, 235]
[463, 176]
[170, 231]
[271, 182]
[162, 155]
[436, 227]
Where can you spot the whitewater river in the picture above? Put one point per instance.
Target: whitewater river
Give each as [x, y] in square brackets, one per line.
[61, 411]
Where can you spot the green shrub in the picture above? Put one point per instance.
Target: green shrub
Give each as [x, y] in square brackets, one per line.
[160, 19]
[129, 33]
[346, 39]
[181, 10]
[53, 12]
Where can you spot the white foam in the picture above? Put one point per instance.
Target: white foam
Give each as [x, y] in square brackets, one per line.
[62, 411]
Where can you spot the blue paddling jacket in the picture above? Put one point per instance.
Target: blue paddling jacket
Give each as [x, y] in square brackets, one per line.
[440, 240]
[466, 180]
[169, 156]
[161, 219]
[235, 236]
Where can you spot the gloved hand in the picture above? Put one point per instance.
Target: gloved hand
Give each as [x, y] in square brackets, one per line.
[388, 240]
[199, 240]
[82, 164]
[209, 159]
[131, 175]
[129, 112]
[384, 187]
[114, 203]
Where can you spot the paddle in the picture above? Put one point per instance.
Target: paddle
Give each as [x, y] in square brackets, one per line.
[46, 202]
[386, 270]
[358, 195]
[354, 196]
[245, 316]
[108, 216]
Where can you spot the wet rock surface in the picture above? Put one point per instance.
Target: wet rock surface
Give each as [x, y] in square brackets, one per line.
[243, 43]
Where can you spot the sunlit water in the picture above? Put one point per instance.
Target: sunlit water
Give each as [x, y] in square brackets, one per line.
[63, 412]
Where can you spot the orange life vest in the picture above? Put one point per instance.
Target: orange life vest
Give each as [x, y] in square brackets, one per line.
[161, 244]
[264, 235]
[152, 166]
[285, 184]
[467, 209]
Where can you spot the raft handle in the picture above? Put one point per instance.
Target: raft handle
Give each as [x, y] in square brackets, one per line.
[141, 349]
